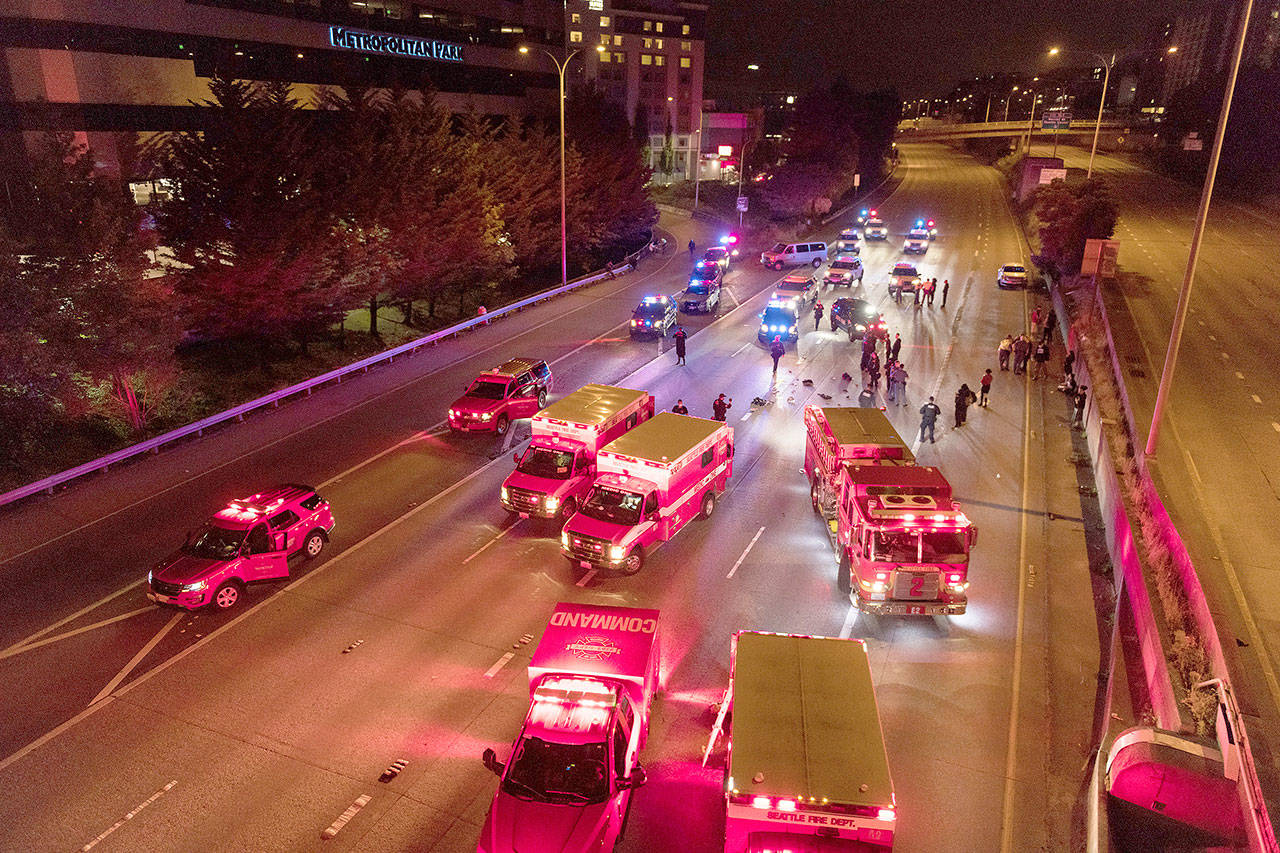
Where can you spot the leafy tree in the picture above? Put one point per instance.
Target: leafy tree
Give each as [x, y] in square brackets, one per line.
[1070, 214]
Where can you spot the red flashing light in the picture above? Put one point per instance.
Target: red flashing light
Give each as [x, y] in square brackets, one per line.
[930, 223]
[762, 803]
[954, 577]
[887, 814]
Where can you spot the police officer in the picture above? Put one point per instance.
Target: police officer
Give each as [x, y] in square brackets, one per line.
[817, 314]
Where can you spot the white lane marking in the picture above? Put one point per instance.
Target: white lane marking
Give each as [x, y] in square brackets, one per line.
[74, 616]
[502, 661]
[1213, 337]
[1011, 757]
[137, 659]
[731, 295]
[1257, 399]
[506, 441]
[1239, 375]
[1191, 466]
[975, 253]
[846, 630]
[19, 649]
[745, 416]
[587, 578]
[128, 817]
[740, 349]
[483, 547]
[352, 810]
[745, 552]
[417, 436]
[1275, 426]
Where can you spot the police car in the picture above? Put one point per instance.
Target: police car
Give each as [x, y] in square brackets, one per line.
[779, 320]
[928, 226]
[844, 271]
[917, 242]
[798, 287]
[847, 242]
[875, 229]
[655, 315]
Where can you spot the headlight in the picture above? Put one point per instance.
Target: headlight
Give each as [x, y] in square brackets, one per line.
[552, 503]
[792, 330]
[617, 553]
[452, 413]
[486, 416]
[564, 538]
[195, 587]
[503, 492]
[858, 326]
[148, 577]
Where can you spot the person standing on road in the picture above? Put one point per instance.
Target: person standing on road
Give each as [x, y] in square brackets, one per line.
[873, 370]
[680, 408]
[691, 248]
[1077, 422]
[963, 398]
[680, 339]
[901, 376]
[1005, 349]
[720, 408]
[817, 314]
[930, 287]
[928, 418]
[1041, 358]
[1036, 317]
[1021, 352]
[1049, 322]
[895, 348]
[946, 285]
[984, 385]
[777, 350]
[1068, 373]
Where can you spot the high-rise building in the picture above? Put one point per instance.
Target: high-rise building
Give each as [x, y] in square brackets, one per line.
[99, 67]
[1205, 34]
[651, 65]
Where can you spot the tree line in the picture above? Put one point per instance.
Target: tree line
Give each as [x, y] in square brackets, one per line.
[282, 218]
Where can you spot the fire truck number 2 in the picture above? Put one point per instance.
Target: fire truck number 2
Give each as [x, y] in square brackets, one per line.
[917, 586]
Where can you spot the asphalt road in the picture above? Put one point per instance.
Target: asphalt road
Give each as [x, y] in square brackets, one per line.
[256, 730]
[1218, 461]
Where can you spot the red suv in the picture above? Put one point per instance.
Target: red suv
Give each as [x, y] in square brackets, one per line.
[247, 541]
[516, 389]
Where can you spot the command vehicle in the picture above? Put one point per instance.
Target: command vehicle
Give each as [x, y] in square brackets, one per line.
[559, 466]
[779, 319]
[248, 541]
[650, 483]
[917, 242]
[844, 271]
[568, 781]
[903, 277]
[514, 389]
[858, 318]
[655, 315]
[875, 229]
[807, 770]
[798, 287]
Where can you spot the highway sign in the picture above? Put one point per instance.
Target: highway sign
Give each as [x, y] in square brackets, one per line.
[742, 203]
[1055, 120]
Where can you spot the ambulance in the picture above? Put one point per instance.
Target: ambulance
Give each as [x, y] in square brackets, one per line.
[649, 484]
[807, 767]
[568, 781]
[556, 470]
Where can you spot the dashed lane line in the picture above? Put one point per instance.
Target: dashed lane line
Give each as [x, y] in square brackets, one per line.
[345, 817]
[502, 661]
[745, 552]
[128, 817]
[486, 545]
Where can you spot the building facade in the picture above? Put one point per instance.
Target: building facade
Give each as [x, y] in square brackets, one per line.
[1206, 34]
[651, 65]
[103, 67]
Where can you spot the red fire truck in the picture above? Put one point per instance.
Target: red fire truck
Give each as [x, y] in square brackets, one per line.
[807, 767]
[650, 483]
[567, 784]
[558, 467]
[902, 543]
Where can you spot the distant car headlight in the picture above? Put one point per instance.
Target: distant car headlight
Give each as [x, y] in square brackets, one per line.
[551, 503]
[860, 327]
[617, 553]
[198, 586]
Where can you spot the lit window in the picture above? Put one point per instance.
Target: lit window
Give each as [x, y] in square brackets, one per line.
[686, 45]
[604, 21]
[575, 18]
[684, 31]
[604, 38]
[659, 60]
[617, 41]
[604, 57]
[619, 57]
[575, 36]
[595, 5]
[686, 62]
[658, 26]
[646, 59]
[648, 25]
[658, 43]
[648, 44]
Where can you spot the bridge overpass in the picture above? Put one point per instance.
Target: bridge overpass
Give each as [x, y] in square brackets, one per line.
[932, 130]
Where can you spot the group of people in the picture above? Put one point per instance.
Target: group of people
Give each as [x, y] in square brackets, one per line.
[924, 292]
[720, 407]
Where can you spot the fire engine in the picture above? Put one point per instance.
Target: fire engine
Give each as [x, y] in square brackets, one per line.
[807, 766]
[650, 483]
[568, 782]
[558, 467]
[902, 542]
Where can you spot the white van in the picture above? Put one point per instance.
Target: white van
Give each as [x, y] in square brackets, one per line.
[794, 254]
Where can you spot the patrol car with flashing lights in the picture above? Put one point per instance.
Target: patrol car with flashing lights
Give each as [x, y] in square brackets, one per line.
[779, 319]
[875, 229]
[798, 287]
[844, 271]
[917, 242]
[654, 316]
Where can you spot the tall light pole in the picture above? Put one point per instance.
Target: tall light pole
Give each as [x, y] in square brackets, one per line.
[1006, 103]
[742, 168]
[1107, 63]
[1206, 195]
[1031, 121]
[564, 230]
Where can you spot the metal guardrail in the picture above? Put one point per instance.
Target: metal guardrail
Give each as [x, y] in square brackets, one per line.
[237, 413]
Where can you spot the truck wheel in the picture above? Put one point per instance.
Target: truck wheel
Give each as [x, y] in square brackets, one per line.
[226, 596]
[314, 544]
[634, 561]
[542, 399]
[501, 424]
[813, 497]
[843, 582]
[708, 504]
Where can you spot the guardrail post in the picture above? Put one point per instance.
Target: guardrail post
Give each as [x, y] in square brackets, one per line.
[240, 418]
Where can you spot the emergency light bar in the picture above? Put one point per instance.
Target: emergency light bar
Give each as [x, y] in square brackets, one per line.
[655, 300]
[575, 691]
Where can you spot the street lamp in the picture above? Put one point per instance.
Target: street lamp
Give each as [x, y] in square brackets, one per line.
[1107, 64]
[1006, 103]
[1031, 121]
[564, 233]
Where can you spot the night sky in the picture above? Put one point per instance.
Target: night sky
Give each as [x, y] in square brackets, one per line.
[920, 47]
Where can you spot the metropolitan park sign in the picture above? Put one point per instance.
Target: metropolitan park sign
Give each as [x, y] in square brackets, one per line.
[392, 45]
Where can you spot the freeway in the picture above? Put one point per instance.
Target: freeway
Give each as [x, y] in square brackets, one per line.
[256, 731]
[1218, 463]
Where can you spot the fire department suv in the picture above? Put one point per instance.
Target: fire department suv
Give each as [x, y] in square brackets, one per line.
[247, 541]
[902, 543]
[807, 767]
[568, 781]
[559, 465]
[515, 389]
[649, 484]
